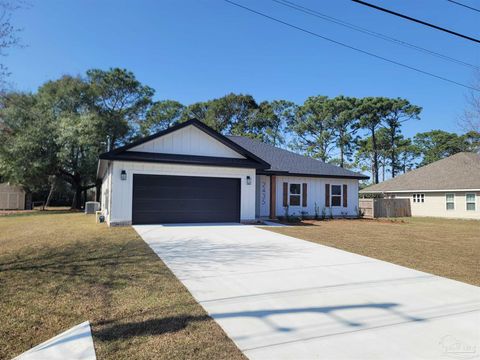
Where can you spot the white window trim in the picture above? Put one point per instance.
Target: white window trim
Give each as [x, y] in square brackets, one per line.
[454, 202]
[420, 197]
[469, 202]
[331, 195]
[301, 194]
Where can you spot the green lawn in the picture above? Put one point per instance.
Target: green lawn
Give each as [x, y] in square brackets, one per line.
[58, 270]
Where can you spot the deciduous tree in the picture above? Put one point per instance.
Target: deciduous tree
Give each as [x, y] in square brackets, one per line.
[28, 145]
[121, 101]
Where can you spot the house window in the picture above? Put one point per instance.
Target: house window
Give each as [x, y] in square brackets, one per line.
[471, 202]
[418, 198]
[336, 195]
[295, 194]
[450, 201]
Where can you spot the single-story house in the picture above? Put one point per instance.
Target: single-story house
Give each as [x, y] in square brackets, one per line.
[446, 188]
[192, 173]
[12, 197]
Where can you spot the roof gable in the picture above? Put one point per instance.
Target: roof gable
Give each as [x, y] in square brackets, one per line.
[457, 172]
[190, 139]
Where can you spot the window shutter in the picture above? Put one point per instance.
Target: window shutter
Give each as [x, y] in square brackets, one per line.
[327, 195]
[345, 196]
[304, 195]
[285, 194]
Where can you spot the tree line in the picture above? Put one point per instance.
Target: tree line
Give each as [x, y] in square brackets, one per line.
[50, 140]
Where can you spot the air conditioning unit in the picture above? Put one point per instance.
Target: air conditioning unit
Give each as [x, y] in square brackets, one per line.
[91, 207]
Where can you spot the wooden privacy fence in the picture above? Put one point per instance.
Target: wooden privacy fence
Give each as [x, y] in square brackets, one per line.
[376, 208]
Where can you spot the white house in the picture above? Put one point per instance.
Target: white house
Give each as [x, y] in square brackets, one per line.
[191, 173]
[446, 188]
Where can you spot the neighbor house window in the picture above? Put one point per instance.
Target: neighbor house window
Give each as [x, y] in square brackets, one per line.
[295, 194]
[450, 201]
[470, 202]
[336, 195]
[418, 198]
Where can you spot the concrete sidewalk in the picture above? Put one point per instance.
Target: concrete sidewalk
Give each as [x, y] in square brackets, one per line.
[74, 344]
[278, 297]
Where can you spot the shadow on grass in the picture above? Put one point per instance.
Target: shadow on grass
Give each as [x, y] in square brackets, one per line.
[111, 330]
[85, 262]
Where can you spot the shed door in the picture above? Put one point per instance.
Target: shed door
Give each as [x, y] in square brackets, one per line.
[167, 199]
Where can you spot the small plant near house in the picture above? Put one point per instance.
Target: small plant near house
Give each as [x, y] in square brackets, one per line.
[359, 212]
[286, 213]
[317, 211]
[331, 213]
[293, 218]
[344, 214]
[324, 213]
[303, 215]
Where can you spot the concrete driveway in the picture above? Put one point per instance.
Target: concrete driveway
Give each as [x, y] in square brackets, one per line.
[278, 297]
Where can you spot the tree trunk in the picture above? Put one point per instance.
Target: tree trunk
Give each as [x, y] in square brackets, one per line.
[49, 197]
[74, 201]
[77, 197]
[384, 165]
[341, 155]
[375, 156]
[392, 153]
[373, 172]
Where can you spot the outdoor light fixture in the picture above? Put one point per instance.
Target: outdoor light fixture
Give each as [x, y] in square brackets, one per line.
[249, 180]
[123, 175]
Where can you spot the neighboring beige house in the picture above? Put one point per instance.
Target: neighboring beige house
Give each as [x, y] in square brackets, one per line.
[12, 197]
[446, 188]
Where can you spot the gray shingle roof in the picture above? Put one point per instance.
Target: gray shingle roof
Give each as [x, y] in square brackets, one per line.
[284, 161]
[459, 171]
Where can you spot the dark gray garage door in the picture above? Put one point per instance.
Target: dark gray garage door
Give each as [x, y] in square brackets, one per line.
[184, 199]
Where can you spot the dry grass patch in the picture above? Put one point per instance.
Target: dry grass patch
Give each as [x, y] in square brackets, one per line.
[62, 269]
[444, 247]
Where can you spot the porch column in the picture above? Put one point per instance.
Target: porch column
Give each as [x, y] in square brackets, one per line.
[273, 197]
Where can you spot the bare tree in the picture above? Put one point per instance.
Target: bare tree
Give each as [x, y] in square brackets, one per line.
[9, 33]
[470, 119]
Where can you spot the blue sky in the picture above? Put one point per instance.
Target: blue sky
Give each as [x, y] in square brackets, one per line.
[193, 50]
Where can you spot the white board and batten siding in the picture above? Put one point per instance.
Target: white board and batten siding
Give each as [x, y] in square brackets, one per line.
[315, 196]
[188, 141]
[106, 193]
[12, 197]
